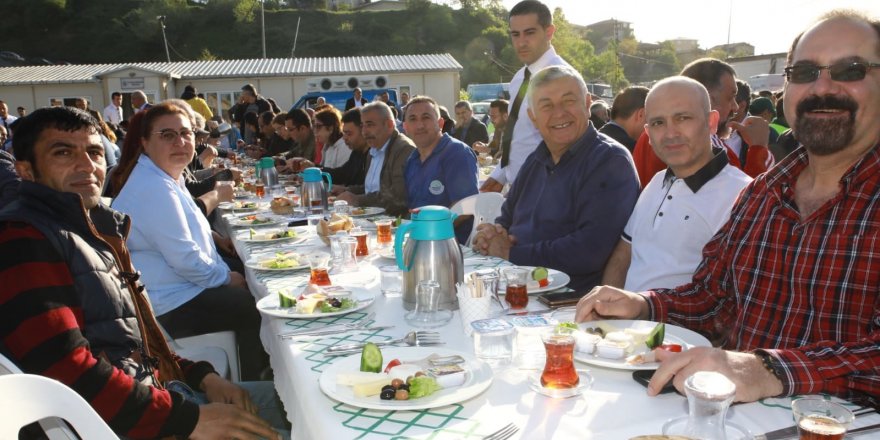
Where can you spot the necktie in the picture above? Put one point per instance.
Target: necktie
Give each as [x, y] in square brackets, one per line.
[511, 119]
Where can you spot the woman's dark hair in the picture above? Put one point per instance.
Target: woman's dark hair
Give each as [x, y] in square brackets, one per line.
[332, 120]
[189, 92]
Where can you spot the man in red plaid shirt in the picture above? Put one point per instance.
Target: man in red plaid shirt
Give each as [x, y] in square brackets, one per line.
[788, 288]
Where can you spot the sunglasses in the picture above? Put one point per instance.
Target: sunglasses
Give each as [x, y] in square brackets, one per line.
[844, 72]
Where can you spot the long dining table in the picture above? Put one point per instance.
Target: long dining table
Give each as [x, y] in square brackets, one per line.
[614, 407]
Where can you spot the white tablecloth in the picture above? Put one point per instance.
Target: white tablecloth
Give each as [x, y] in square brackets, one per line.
[615, 407]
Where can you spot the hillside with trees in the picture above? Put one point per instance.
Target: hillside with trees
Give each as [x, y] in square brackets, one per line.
[106, 31]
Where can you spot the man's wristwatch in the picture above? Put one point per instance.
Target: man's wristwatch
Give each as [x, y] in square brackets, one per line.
[770, 363]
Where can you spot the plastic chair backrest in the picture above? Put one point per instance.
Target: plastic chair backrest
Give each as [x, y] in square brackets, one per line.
[485, 207]
[7, 366]
[27, 398]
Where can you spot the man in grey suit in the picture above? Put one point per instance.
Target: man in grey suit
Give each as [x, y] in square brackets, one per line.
[384, 185]
[467, 128]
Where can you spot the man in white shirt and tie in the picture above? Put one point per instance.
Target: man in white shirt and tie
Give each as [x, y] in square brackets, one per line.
[531, 30]
[113, 112]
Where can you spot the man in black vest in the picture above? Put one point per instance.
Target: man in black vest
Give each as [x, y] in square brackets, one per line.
[73, 309]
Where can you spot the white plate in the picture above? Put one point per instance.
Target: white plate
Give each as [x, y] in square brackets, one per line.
[557, 280]
[272, 220]
[254, 263]
[368, 211]
[269, 305]
[238, 206]
[674, 335]
[479, 377]
[245, 235]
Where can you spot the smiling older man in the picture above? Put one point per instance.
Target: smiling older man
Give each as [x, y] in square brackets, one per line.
[574, 193]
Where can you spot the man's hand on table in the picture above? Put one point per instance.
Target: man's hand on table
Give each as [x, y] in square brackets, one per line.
[220, 390]
[493, 240]
[222, 420]
[745, 370]
[337, 189]
[610, 302]
[491, 185]
[349, 197]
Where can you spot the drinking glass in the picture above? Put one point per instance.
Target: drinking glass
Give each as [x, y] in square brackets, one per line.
[390, 280]
[314, 220]
[320, 269]
[336, 252]
[260, 189]
[820, 419]
[427, 313]
[341, 207]
[559, 372]
[383, 233]
[349, 253]
[517, 294]
[709, 395]
[361, 237]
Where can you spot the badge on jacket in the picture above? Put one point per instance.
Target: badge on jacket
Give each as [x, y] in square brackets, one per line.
[436, 187]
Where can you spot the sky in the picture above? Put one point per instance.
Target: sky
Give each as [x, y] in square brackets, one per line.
[769, 25]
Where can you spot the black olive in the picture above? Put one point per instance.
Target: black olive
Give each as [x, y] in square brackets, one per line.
[404, 387]
[388, 388]
[387, 395]
[335, 302]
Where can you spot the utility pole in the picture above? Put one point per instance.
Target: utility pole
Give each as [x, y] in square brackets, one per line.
[263, 24]
[161, 19]
[295, 37]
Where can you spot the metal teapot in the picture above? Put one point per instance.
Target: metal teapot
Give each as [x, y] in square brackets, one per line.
[430, 253]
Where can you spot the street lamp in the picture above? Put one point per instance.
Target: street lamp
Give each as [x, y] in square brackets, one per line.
[161, 19]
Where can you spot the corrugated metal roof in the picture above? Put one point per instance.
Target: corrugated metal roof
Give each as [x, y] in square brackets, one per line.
[85, 73]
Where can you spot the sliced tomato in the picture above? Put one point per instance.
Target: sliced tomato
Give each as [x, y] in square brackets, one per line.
[544, 283]
[392, 364]
[675, 348]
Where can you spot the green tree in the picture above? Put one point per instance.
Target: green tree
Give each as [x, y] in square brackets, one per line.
[573, 47]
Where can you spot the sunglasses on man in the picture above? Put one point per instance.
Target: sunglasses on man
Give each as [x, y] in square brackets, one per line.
[844, 72]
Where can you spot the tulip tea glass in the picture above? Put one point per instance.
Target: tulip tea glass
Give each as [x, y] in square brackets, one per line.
[820, 419]
[320, 269]
[517, 294]
[559, 369]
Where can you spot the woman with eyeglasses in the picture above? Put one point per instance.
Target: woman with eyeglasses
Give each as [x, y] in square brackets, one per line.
[192, 289]
[328, 132]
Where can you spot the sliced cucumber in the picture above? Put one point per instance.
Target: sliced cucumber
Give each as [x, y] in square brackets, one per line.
[371, 358]
[655, 338]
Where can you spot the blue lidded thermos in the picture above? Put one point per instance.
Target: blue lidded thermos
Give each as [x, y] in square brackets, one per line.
[430, 253]
[314, 191]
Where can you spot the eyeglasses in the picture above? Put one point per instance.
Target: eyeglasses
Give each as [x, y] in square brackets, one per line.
[844, 72]
[169, 135]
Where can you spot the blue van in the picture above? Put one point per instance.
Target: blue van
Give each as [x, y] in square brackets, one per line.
[337, 99]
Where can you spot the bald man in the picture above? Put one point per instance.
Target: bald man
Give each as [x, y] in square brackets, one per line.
[683, 206]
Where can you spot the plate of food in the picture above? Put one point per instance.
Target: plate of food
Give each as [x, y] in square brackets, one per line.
[270, 234]
[623, 344]
[440, 377]
[280, 261]
[366, 211]
[256, 220]
[240, 205]
[321, 304]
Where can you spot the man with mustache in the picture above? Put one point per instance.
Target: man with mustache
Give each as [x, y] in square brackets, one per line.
[531, 30]
[788, 287]
[683, 206]
[384, 185]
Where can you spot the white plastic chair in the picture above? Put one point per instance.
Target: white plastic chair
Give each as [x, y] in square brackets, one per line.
[7, 366]
[27, 398]
[219, 349]
[485, 207]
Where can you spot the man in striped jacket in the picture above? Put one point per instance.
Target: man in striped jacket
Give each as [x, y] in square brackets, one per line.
[71, 307]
